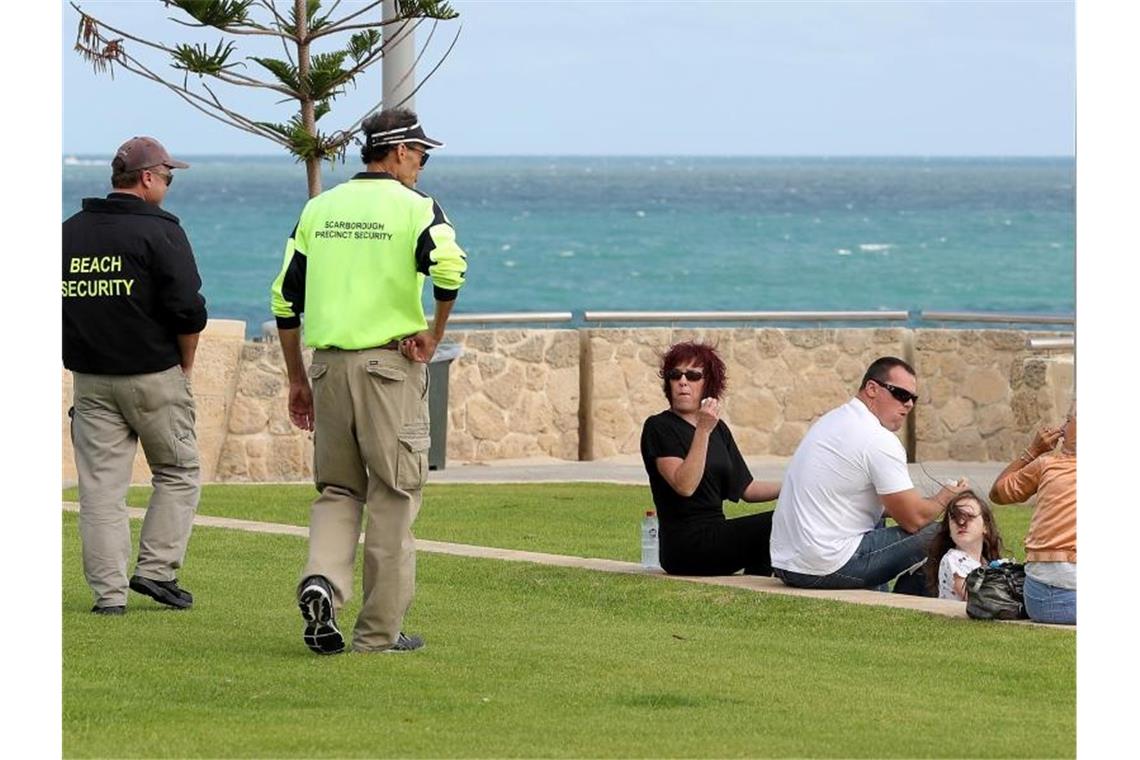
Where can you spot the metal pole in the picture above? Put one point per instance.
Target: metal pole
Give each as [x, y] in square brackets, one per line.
[398, 65]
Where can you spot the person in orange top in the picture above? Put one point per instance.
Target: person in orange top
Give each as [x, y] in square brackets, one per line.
[1051, 544]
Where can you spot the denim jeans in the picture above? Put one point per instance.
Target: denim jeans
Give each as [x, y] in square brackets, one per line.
[883, 554]
[1050, 604]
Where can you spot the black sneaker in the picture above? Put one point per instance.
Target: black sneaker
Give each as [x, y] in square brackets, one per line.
[315, 600]
[113, 610]
[163, 592]
[405, 643]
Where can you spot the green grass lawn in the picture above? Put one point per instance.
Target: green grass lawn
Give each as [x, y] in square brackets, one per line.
[527, 660]
[580, 519]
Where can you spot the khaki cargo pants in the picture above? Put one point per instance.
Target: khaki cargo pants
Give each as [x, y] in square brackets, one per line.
[110, 415]
[370, 443]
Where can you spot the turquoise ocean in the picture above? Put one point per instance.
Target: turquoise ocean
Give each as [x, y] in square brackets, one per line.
[673, 233]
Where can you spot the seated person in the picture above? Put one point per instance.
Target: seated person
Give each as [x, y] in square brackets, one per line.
[1051, 543]
[693, 466]
[828, 529]
[967, 539]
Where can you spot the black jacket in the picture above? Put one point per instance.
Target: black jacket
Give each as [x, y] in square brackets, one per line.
[130, 287]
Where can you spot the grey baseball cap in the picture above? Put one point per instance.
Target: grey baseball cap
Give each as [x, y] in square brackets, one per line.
[143, 153]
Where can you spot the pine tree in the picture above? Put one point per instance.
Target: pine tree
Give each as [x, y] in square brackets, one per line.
[312, 79]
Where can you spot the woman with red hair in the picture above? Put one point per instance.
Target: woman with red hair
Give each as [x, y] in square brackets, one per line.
[694, 465]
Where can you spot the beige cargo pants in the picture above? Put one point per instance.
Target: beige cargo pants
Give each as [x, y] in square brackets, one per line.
[370, 443]
[110, 415]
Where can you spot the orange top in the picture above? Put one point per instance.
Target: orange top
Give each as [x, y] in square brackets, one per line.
[1052, 533]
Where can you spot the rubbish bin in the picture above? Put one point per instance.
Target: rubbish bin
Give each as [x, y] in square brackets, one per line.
[438, 369]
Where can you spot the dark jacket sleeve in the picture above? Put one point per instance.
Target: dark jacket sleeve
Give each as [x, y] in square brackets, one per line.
[177, 282]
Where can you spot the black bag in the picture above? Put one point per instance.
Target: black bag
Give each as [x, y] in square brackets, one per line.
[996, 592]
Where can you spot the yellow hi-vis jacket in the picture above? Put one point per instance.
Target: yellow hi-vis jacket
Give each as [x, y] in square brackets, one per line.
[356, 261]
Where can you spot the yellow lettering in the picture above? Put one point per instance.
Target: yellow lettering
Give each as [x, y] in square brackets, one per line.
[129, 284]
[75, 264]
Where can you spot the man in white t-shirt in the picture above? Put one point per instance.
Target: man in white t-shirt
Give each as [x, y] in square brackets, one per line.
[850, 468]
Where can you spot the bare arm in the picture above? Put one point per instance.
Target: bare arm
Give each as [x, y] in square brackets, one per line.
[960, 587]
[421, 346]
[300, 393]
[684, 475]
[187, 348]
[761, 490]
[913, 512]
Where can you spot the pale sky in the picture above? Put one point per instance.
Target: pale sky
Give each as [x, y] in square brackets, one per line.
[656, 77]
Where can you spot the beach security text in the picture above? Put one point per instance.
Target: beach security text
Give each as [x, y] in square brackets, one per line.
[95, 288]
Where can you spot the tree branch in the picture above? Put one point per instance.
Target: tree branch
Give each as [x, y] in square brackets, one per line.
[336, 26]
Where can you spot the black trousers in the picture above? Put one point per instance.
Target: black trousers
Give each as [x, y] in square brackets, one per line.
[718, 548]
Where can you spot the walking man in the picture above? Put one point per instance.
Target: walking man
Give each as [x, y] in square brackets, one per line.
[850, 469]
[355, 266]
[132, 312]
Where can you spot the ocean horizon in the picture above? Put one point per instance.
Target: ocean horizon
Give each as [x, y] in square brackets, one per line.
[671, 233]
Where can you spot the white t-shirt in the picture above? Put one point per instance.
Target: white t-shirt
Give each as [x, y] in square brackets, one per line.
[830, 494]
[954, 562]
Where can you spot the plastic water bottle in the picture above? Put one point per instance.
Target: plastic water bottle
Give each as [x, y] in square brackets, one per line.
[650, 546]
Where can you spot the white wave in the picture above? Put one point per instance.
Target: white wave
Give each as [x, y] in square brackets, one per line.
[843, 251]
[509, 263]
[641, 213]
[876, 246]
[73, 161]
[505, 247]
[566, 254]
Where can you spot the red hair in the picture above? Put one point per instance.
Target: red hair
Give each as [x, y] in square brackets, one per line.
[700, 354]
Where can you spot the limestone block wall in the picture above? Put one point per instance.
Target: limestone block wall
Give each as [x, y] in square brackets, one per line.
[514, 394]
[213, 380]
[779, 381]
[984, 392]
[584, 394]
[511, 394]
[261, 442]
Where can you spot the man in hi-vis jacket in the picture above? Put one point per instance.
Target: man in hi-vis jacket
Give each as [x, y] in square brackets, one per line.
[355, 266]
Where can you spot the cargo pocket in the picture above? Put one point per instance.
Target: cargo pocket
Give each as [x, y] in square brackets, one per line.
[317, 370]
[383, 373]
[411, 460]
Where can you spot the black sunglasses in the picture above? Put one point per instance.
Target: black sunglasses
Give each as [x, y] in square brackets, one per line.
[902, 395]
[692, 375]
[423, 155]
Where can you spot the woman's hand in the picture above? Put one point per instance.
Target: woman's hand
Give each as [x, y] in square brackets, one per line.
[1044, 440]
[708, 415]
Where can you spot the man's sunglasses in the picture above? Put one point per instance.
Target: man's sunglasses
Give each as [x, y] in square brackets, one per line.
[902, 395]
[692, 375]
[423, 155]
[167, 177]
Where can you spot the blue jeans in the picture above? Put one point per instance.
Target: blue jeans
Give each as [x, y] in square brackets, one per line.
[1050, 604]
[883, 554]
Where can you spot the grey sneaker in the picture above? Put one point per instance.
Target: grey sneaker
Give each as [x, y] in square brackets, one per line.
[315, 600]
[405, 643]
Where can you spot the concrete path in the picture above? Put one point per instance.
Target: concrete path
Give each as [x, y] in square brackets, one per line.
[943, 607]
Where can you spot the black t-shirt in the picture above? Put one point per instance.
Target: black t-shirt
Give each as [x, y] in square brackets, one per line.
[726, 474]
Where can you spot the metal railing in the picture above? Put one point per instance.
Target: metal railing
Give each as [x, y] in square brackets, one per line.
[1003, 317]
[913, 319]
[1051, 343]
[508, 318]
[746, 316]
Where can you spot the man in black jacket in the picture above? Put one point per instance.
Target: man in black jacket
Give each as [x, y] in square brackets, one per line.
[132, 313]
